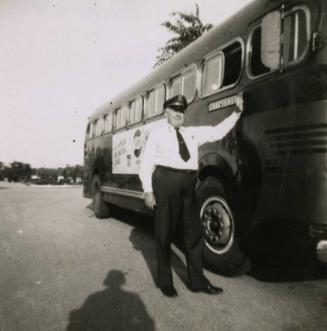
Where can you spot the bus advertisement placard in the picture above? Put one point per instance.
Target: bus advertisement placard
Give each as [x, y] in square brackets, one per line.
[127, 148]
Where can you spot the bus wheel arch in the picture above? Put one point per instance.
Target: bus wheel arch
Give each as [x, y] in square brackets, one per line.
[222, 252]
[100, 207]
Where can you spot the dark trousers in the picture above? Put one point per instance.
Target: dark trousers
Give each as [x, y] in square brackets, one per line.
[175, 203]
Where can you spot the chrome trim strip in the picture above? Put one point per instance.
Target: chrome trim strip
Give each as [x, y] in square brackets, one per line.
[124, 192]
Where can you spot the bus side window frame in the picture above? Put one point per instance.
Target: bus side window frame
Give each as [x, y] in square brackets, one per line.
[283, 66]
[242, 45]
[249, 53]
[216, 52]
[119, 113]
[142, 115]
[108, 116]
[219, 76]
[147, 115]
[89, 130]
[192, 67]
[156, 112]
[95, 122]
[131, 121]
[138, 113]
[307, 15]
[115, 112]
[124, 115]
[98, 127]
[87, 133]
[170, 83]
[159, 108]
[181, 74]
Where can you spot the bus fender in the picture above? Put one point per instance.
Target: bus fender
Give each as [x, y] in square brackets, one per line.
[213, 164]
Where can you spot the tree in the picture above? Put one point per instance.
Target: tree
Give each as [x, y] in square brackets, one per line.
[19, 171]
[47, 175]
[2, 168]
[188, 27]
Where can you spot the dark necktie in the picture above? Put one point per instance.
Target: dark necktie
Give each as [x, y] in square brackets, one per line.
[183, 150]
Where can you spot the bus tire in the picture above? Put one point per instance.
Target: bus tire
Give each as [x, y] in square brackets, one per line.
[222, 253]
[100, 207]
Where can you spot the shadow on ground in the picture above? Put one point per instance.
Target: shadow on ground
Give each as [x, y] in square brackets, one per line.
[269, 261]
[111, 309]
[284, 253]
[281, 266]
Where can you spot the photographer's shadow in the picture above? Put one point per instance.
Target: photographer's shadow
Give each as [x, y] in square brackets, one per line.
[111, 309]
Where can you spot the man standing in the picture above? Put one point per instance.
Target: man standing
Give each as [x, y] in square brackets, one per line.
[168, 174]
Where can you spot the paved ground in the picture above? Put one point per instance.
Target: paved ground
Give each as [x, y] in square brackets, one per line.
[63, 269]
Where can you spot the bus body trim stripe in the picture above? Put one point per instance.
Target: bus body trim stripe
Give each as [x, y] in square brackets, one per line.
[124, 192]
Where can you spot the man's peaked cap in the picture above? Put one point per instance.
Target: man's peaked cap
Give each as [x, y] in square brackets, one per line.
[178, 103]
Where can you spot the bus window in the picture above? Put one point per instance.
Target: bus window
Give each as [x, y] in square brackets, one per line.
[296, 36]
[257, 68]
[189, 84]
[108, 123]
[233, 63]
[121, 117]
[99, 127]
[132, 112]
[117, 118]
[150, 104]
[160, 98]
[89, 130]
[212, 74]
[175, 86]
[92, 129]
[139, 109]
[124, 115]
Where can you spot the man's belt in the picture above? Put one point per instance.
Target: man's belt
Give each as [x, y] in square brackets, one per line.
[183, 171]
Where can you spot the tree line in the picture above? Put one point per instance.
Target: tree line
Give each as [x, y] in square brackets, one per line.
[23, 172]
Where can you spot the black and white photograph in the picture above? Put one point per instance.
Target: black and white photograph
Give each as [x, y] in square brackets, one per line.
[163, 165]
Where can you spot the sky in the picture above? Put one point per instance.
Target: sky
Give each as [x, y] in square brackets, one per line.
[62, 59]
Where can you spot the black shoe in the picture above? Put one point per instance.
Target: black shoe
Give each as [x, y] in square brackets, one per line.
[169, 291]
[208, 289]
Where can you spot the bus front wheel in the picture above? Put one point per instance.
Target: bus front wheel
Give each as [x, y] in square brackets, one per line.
[221, 251]
[100, 207]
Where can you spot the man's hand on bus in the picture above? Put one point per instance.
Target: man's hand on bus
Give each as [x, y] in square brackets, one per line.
[150, 200]
[240, 102]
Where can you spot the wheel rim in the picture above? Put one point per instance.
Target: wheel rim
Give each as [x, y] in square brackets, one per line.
[218, 224]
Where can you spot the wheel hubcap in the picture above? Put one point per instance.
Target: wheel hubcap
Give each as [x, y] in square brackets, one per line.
[218, 224]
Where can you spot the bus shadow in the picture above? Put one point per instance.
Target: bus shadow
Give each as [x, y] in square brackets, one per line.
[280, 265]
[142, 239]
[282, 252]
[111, 309]
[269, 263]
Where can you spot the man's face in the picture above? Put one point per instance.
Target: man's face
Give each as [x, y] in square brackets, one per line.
[175, 118]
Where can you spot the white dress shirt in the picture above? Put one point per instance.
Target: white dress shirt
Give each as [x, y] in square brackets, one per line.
[162, 147]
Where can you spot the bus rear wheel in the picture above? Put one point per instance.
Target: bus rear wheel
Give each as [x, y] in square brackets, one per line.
[100, 207]
[221, 251]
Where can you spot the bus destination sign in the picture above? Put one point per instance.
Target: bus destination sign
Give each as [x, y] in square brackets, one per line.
[223, 103]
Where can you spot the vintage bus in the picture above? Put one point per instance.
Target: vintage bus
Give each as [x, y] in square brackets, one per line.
[270, 171]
